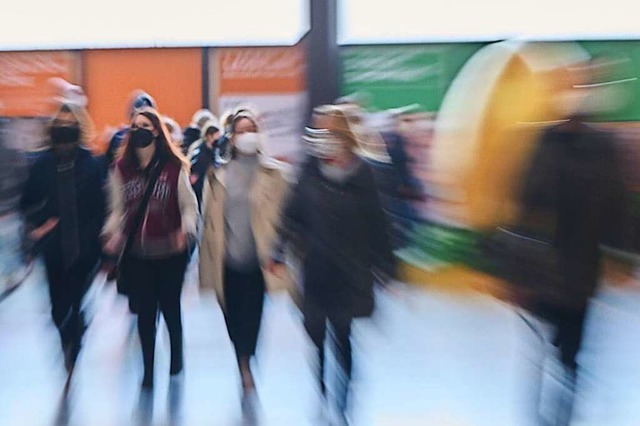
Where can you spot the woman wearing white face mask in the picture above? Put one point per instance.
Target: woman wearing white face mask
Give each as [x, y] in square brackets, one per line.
[240, 205]
[334, 215]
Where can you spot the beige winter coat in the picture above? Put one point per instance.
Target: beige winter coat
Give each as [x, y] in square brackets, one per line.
[267, 194]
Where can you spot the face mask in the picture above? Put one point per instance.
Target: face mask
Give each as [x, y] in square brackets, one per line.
[64, 134]
[247, 143]
[141, 138]
[334, 173]
[321, 143]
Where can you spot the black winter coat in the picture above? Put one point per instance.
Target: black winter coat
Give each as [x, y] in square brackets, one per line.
[576, 177]
[40, 203]
[344, 233]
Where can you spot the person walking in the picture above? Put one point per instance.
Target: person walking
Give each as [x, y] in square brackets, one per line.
[240, 204]
[333, 218]
[64, 208]
[152, 221]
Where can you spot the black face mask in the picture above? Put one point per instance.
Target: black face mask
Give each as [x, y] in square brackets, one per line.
[141, 138]
[64, 134]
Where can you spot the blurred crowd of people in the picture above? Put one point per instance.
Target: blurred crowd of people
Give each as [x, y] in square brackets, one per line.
[139, 211]
[161, 197]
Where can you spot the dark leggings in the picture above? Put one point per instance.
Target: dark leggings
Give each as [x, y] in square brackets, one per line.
[158, 284]
[244, 301]
[569, 331]
[66, 290]
[316, 322]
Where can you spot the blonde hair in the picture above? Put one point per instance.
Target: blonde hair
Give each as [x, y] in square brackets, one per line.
[174, 129]
[342, 123]
[87, 128]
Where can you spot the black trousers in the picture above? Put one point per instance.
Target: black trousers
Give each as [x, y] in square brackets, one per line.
[317, 321]
[67, 287]
[568, 336]
[244, 299]
[158, 285]
[569, 330]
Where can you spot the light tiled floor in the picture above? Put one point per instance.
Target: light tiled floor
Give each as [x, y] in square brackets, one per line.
[425, 358]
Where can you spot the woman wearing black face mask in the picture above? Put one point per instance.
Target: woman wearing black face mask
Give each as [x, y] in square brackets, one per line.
[63, 203]
[159, 233]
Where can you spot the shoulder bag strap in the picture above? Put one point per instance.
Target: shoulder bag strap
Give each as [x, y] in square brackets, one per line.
[143, 206]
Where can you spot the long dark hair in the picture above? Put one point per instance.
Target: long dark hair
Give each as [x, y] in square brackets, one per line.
[165, 150]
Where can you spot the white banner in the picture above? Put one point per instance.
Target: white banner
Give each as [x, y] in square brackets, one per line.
[281, 119]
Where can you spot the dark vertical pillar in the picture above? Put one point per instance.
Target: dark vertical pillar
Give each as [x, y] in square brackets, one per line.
[205, 77]
[322, 53]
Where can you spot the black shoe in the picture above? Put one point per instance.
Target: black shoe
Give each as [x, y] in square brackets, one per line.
[133, 306]
[71, 352]
[177, 359]
[176, 367]
[147, 381]
[69, 364]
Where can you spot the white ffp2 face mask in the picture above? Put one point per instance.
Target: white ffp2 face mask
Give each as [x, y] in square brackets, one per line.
[321, 143]
[247, 143]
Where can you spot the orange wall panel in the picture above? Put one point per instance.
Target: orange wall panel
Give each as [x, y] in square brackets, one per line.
[172, 76]
[261, 70]
[25, 90]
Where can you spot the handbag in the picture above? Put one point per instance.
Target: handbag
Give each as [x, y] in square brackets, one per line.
[123, 283]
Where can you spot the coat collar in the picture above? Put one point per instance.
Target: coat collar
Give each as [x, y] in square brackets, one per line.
[266, 164]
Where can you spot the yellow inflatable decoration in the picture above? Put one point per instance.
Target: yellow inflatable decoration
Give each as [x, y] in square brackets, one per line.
[486, 130]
